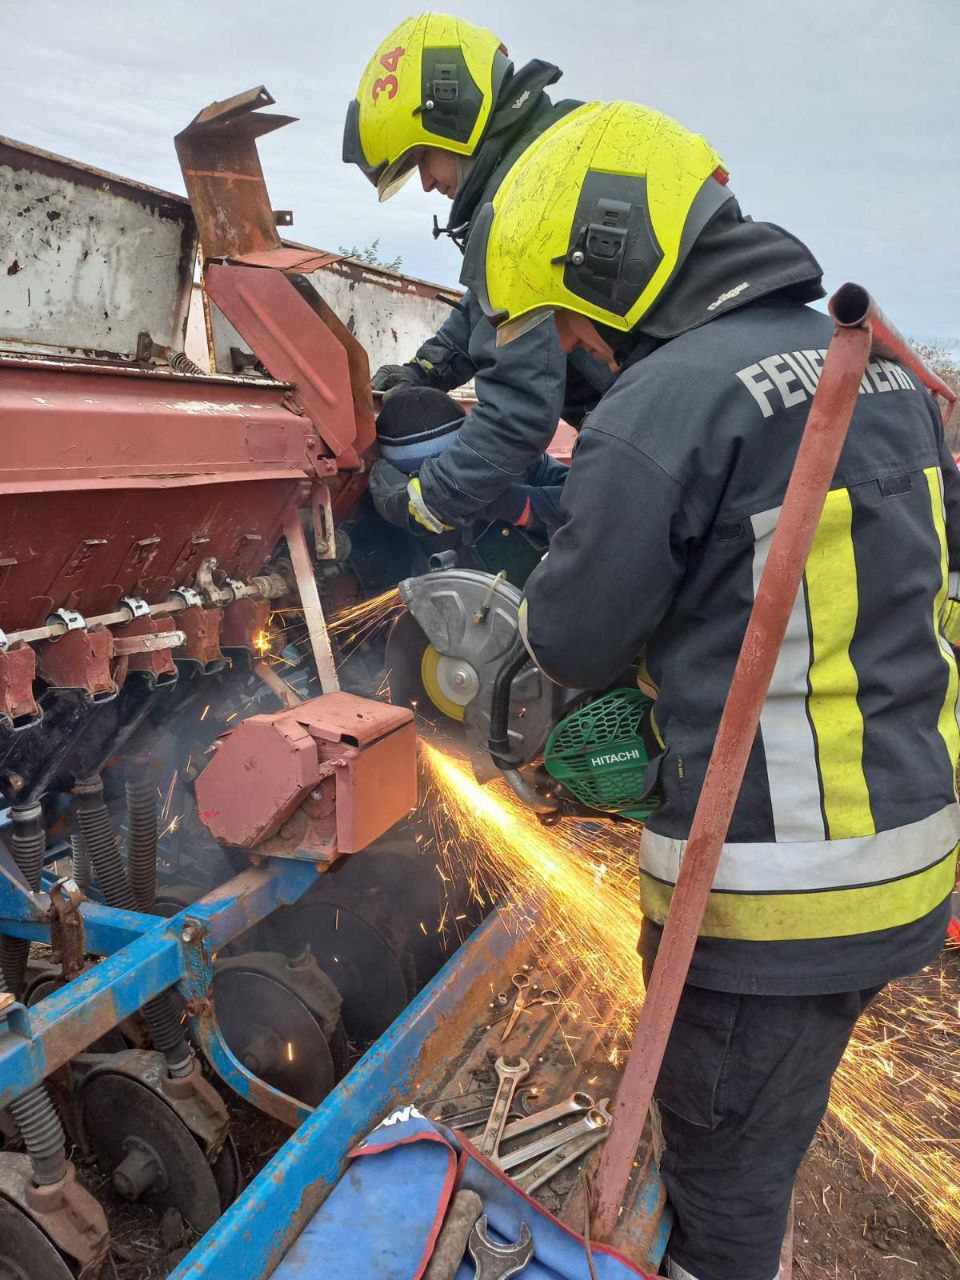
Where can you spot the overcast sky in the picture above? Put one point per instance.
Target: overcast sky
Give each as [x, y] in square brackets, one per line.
[839, 119]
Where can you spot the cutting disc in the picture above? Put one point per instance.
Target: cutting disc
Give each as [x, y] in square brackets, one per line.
[439, 687]
[25, 1252]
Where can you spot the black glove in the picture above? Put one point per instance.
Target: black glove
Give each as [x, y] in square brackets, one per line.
[389, 376]
[388, 489]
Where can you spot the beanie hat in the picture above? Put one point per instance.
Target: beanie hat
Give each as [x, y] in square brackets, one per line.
[416, 423]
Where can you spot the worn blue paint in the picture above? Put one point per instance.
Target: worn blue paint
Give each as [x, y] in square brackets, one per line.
[249, 1239]
[232, 1072]
[145, 955]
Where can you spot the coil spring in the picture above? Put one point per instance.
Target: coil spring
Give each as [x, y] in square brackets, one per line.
[41, 1130]
[96, 831]
[182, 363]
[28, 846]
[142, 841]
[81, 863]
[42, 1134]
[100, 843]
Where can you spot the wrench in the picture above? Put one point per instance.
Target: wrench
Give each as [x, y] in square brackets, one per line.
[521, 981]
[498, 1261]
[510, 1072]
[597, 1118]
[523, 1102]
[570, 1106]
[544, 1169]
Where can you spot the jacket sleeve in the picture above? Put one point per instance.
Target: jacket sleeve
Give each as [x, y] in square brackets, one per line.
[445, 357]
[613, 568]
[950, 614]
[520, 390]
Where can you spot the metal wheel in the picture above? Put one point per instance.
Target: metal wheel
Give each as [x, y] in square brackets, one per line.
[147, 1149]
[25, 1252]
[228, 1173]
[279, 1017]
[375, 980]
[172, 898]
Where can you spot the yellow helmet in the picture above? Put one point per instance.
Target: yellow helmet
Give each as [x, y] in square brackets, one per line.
[596, 217]
[432, 83]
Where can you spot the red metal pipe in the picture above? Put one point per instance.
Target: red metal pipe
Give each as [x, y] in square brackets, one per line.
[823, 437]
[853, 308]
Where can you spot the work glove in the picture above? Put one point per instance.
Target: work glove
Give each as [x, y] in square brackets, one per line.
[390, 376]
[397, 498]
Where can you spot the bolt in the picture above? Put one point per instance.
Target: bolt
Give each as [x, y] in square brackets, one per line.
[577, 257]
[15, 781]
[190, 933]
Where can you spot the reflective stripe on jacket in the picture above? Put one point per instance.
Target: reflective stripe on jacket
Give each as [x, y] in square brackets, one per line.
[841, 852]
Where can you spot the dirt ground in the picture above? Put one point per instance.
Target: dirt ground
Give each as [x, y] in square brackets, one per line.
[847, 1223]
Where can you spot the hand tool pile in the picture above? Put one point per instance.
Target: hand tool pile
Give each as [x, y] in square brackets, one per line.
[571, 1128]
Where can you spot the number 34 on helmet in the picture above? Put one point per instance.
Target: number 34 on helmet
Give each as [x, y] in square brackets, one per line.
[596, 217]
[432, 83]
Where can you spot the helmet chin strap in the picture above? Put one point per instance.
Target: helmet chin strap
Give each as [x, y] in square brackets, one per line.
[458, 234]
[465, 166]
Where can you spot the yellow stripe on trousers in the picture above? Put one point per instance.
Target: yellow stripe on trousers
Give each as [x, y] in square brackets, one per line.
[947, 719]
[827, 913]
[831, 579]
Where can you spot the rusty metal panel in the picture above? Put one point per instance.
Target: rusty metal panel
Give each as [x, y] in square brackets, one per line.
[134, 480]
[389, 314]
[295, 344]
[89, 260]
[377, 788]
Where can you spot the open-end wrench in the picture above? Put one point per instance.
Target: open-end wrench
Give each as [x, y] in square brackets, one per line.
[597, 1118]
[544, 1169]
[521, 982]
[524, 1100]
[510, 1072]
[568, 1107]
[498, 1261]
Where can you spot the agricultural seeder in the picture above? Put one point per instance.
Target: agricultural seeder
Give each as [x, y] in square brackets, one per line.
[210, 878]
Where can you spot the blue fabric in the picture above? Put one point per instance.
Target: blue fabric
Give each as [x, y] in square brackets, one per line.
[559, 1254]
[381, 1220]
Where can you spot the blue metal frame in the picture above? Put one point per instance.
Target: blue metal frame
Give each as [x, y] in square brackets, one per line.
[250, 1239]
[145, 955]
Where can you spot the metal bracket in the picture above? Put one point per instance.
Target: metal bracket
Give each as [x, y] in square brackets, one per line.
[324, 531]
[72, 620]
[66, 926]
[66, 1213]
[138, 608]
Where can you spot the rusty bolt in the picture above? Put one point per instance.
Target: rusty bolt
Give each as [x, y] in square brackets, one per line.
[190, 933]
[16, 781]
[197, 1008]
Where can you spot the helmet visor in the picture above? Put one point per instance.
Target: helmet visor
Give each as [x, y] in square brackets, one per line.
[510, 330]
[399, 172]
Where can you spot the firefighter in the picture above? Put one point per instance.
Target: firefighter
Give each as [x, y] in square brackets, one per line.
[841, 856]
[441, 96]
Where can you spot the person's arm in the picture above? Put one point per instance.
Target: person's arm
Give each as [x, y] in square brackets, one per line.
[950, 614]
[520, 390]
[442, 361]
[614, 566]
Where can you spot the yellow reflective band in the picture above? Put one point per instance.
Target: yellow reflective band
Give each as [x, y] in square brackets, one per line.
[831, 580]
[947, 719]
[830, 913]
